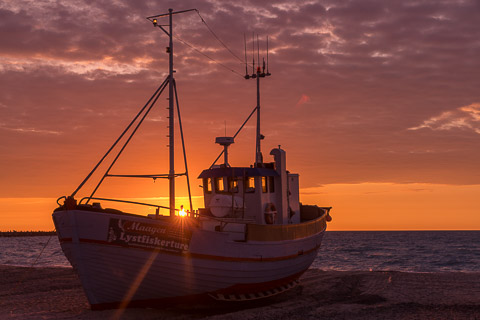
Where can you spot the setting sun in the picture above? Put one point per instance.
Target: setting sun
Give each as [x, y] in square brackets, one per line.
[182, 212]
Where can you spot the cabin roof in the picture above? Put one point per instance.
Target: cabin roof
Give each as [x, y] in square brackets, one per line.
[237, 172]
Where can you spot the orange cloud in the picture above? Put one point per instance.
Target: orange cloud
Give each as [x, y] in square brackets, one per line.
[467, 117]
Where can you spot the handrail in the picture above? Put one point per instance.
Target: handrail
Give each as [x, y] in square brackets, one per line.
[58, 200]
[127, 201]
[152, 176]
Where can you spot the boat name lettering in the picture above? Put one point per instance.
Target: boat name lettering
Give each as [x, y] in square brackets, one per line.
[155, 241]
[137, 226]
[136, 234]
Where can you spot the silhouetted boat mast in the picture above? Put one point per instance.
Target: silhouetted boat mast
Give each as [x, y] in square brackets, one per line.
[171, 111]
[173, 99]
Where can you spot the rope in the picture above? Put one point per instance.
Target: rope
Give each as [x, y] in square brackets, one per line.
[20, 282]
[41, 252]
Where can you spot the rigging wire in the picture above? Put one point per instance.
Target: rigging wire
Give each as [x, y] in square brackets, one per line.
[235, 135]
[207, 56]
[222, 43]
[119, 138]
[183, 146]
[216, 37]
[140, 121]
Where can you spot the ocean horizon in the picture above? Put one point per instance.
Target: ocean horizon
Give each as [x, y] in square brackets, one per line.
[406, 251]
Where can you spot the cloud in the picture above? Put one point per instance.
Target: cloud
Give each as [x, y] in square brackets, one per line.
[30, 130]
[467, 117]
[303, 99]
[106, 65]
[367, 70]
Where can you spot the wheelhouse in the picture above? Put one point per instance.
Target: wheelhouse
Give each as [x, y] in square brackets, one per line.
[268, 191]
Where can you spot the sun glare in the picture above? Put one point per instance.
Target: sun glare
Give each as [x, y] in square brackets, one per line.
[182, 212]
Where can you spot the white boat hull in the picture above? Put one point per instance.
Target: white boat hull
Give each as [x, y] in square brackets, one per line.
[116, 272]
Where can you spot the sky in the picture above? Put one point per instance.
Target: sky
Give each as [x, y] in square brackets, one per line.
[377, 103]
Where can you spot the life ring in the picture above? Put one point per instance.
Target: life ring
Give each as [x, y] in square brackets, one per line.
[270, 213]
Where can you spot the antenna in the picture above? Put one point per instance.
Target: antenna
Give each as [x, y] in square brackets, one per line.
[268, 73]
[258, 70]
[258, 53]
[245, 42]
[256, 74]
[253, 55]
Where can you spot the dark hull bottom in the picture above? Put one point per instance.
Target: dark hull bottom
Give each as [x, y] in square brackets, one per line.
[235, 293]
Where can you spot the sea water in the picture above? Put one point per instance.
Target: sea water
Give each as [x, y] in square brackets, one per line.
[41, 251]
[409, 251]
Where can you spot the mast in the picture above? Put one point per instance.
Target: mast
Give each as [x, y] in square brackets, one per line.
[171, 123]
[173, 98]
[171, 101]
[258, 151]
[258, 73]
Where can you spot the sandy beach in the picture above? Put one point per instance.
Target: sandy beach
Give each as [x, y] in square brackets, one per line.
[56, 293]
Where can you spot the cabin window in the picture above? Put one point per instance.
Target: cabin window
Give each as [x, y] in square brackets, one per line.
[219, 186]
[264, 184]
[207, 185]
[249, 184]
[271, 184]
[233, 185]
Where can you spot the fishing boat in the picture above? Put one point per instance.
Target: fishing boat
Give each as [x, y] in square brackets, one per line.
[252, 239]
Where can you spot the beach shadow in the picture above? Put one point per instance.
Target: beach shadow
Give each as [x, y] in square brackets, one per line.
[341, 288]
[208, 307]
